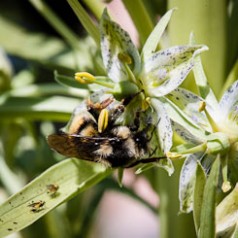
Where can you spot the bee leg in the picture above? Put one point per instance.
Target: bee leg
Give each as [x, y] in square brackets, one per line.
[145, 161]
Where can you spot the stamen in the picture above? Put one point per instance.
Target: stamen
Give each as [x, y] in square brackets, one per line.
[84, 77]
[125, 58]
[202, 106]
[103, 120]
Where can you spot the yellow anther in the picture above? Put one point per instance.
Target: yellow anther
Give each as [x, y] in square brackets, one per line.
[202, 106]
[125, 58]
[84, 77]
[103, 120]
[173, 155]
[145, 103]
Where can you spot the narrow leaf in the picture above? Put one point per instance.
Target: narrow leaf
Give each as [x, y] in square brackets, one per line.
[207, 218]
[85, 20]
[70, 177]
[51, 108]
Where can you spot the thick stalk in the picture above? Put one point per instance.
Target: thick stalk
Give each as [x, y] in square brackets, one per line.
[172, 224]
[207, 19]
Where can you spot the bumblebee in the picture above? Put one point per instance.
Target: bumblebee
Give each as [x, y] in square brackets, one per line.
[96, 133]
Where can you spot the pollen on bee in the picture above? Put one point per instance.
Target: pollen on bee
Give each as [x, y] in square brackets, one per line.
[103, 120]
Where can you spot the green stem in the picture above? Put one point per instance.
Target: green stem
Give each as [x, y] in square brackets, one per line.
[171, 224]
[140, 17]
[207, 19]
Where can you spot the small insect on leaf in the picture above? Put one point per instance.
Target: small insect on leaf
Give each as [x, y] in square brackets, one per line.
[52, 189]
[37, 206]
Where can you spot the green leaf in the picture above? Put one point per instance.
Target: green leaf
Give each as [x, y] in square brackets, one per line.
[198, 195]
[56, 22]
[117, 50]
[51, 108]
[207, 218]
[85, 20]
[226, 213]
[72, 176]
[152, 41]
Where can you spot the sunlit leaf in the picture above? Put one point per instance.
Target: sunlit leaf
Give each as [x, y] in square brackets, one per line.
[51, 108]
[198, 195]
[70, 176]
[207, 217]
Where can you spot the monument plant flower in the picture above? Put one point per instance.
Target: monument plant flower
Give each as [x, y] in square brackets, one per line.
[154, 73]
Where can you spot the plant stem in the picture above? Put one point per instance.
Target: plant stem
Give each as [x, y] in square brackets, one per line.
[172, 224]
[208, 21]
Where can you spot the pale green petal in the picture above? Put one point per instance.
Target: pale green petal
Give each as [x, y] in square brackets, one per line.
[184, 122]
[229, 103]
[185, 134]
[187, 183]
[116, 41]
[166, 70]
[154, 37]
[164, 125]
[190, 104]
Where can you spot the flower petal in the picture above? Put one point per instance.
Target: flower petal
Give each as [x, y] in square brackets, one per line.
[184, 123]
[116, 43]
[166, 70]
[154, 37]
[164, 125]
[190, 103]
[187, 183]
[229, 102]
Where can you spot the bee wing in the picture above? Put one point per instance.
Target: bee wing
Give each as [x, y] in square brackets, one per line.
[63, 144]
[82, 147]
